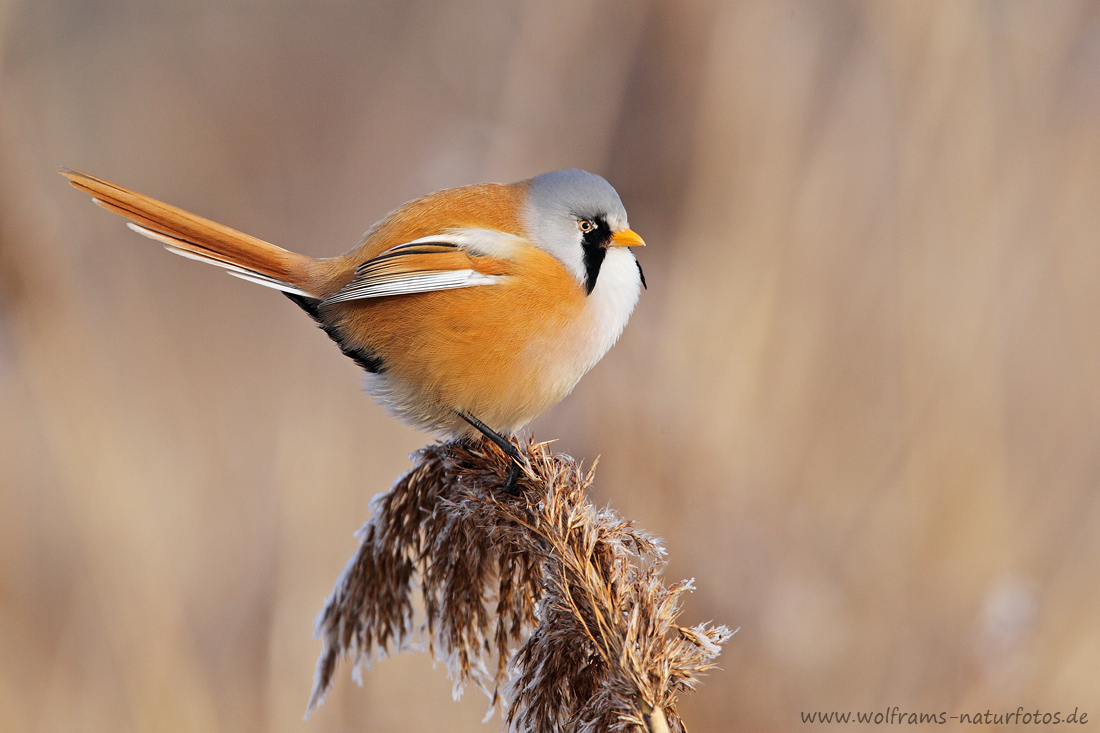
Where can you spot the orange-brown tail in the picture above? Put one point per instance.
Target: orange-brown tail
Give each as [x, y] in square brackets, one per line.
[201, 239]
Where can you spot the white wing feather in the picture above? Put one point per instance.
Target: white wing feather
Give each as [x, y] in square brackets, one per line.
[376, 278]
[413, 282]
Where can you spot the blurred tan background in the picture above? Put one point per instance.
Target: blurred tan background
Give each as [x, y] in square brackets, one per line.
[860, 399]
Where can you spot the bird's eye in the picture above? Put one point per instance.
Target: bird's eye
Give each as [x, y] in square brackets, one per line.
[586, 225]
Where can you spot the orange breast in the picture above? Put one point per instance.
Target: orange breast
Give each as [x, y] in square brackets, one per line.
[503, 353]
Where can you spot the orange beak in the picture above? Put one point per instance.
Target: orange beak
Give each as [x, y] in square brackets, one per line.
[626, 238]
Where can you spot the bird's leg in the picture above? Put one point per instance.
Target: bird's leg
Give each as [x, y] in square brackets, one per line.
[501, 442]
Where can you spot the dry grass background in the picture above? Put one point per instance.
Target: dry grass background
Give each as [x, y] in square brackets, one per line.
[860, 399]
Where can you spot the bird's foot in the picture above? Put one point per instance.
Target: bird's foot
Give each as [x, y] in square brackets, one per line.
[515, 459]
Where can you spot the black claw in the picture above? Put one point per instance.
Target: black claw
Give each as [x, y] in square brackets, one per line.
[501, 442]
[510, 487]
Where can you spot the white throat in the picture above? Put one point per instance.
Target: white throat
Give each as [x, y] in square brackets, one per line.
[612, 301]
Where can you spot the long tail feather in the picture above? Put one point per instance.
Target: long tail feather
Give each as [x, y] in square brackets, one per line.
[192, 236]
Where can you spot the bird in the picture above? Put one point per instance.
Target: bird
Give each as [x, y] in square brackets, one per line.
[472, 310]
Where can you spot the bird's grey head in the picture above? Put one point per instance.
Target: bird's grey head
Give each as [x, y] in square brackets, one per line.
[573, 214]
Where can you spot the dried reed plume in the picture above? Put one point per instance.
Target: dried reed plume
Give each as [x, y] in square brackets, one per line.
[553, 607]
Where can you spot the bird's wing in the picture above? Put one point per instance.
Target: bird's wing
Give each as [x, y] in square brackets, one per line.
[456, 260]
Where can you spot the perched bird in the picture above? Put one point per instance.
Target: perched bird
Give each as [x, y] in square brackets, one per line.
[472, 309]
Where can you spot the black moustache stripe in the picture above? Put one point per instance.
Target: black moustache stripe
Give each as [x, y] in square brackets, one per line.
[593, 261]
[594, 243]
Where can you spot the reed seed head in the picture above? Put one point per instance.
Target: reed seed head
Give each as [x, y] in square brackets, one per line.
[553, 607]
